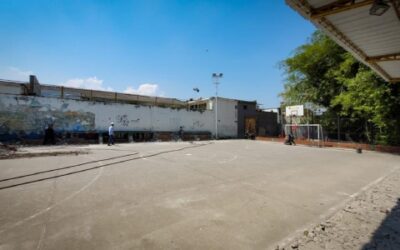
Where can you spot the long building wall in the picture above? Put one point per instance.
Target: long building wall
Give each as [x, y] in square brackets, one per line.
[29, 115]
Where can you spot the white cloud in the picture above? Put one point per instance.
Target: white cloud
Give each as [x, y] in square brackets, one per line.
[144, 89]
[88, 83]
[20, 72]
[14, 73]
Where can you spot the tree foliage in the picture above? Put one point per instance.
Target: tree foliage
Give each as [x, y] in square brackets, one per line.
[366, 107]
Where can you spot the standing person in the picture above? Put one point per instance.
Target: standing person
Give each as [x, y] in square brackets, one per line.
[49, 135]
[180, 133]
[111, 134]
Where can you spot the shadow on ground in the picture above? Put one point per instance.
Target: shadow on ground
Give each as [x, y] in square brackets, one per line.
[387, 236]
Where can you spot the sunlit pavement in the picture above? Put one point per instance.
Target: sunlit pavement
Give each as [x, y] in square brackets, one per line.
[233, 194]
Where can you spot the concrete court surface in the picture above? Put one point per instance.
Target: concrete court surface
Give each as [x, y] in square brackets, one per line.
[234, 194]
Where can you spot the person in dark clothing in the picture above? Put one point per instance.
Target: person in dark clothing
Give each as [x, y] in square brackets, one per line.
[49, 135]
[180, 133]
[290, 140]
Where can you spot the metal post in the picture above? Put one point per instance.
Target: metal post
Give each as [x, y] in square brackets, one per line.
[322, 134]
[216, 77]
[338, 128]
[216, 110]
[291, 124]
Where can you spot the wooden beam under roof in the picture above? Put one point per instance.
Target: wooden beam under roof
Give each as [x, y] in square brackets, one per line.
[395, 80]
[396, 7]
[383, 58]
[337, 7]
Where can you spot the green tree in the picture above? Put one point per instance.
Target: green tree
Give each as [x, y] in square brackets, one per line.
[323, 73]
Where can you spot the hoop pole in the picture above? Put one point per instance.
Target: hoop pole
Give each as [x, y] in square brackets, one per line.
[323, 141]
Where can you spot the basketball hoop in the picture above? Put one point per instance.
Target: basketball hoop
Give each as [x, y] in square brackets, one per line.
[297, 110]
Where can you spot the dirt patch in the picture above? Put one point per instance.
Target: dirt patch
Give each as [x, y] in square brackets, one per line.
[13, 154]
[7, 150]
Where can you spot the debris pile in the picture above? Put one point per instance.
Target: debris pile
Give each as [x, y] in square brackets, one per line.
[7, 151]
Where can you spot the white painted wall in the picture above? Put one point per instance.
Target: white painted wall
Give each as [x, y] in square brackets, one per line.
[227, 117]
[150, 118]
[125, 116]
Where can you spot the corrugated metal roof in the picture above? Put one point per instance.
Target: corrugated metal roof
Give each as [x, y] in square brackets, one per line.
[375, 35]
[360, 33]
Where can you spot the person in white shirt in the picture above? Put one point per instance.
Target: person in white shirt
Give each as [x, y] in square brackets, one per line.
[111, 134]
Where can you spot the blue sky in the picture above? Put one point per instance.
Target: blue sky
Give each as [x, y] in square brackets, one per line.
[156, 47]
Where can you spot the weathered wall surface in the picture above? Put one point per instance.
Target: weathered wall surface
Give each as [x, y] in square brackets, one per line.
[29, 115]
[245, 110]
[266, 122]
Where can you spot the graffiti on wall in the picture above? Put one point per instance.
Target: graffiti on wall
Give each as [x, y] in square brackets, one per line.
[197, 125]
[123, 120]
[30, 117]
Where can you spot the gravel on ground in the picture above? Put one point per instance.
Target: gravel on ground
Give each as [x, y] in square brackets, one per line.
[368, 221]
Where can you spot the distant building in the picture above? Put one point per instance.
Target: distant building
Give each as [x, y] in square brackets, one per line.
[275, 110]
[248, 118]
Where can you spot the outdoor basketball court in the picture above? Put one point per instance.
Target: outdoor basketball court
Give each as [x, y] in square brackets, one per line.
[233, 194]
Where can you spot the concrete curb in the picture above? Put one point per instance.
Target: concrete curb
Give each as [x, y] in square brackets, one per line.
[17, 155]
[339, 145]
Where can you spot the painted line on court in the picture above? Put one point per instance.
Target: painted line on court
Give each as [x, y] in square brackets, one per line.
[103, 165]
[43, 211]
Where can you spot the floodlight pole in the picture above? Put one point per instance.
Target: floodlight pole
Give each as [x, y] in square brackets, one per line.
[338, 128]
[216, 77]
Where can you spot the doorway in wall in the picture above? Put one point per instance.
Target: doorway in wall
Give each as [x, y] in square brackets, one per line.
[250, 126]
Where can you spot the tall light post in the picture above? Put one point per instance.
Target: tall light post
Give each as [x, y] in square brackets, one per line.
[216, 77]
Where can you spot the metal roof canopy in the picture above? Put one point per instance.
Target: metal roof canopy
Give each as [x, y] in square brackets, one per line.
[374, 40]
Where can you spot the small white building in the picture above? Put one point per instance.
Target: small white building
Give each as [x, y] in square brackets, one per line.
[227, 114]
